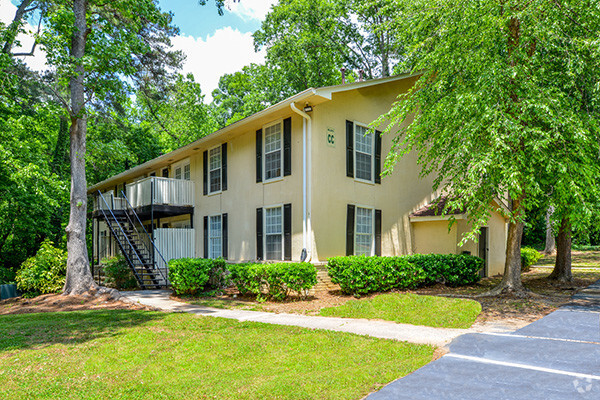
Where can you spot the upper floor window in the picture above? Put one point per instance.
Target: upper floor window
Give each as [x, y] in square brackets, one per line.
[215, 169]
[273, 151]
[363, 153]
[182, 171]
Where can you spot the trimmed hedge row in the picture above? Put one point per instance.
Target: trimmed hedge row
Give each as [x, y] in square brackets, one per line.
[364, 274]
[191, 276]
[274, 280]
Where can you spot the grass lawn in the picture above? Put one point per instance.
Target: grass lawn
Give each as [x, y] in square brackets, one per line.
[439, 312]
[123, 354]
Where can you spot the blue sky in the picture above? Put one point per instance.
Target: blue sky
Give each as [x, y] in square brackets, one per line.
[214, 45]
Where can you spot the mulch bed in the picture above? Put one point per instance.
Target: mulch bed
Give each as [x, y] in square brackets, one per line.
[58, 302]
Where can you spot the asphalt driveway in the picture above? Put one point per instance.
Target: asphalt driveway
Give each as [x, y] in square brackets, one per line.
[556, 357]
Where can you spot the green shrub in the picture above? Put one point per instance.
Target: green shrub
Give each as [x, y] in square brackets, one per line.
[118, 274]
[364, 274]
[273, 280]
[43, 273]
[529, 256]
[449, 269]
[219, 275]
[6, 276]
[189, 275]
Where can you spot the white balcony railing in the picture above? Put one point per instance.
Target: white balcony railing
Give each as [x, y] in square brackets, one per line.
[113, 202]
[164, 191]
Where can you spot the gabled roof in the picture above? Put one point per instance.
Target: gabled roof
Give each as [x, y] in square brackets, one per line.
[313, 96]
[436, 208]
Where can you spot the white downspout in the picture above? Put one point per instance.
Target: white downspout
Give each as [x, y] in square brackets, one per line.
[306, 180]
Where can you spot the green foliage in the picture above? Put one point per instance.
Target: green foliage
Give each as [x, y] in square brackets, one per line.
[366, 274]
[43, 273]
[273, 280]
[6, 276]
[529, 257]
[118, 274]
[189, 275]
[449, 269]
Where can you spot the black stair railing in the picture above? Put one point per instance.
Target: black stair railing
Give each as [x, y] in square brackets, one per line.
[111, 219]
[130, 210]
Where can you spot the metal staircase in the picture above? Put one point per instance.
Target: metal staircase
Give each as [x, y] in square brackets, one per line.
[135, 244]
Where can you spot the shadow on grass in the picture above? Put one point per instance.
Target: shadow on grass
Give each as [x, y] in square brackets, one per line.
[45, 329]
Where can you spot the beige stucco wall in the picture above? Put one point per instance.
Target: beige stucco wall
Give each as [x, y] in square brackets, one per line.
[397, 195]
[434, 237]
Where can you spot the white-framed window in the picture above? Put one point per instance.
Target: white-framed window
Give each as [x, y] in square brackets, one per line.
[214, 169]
[182, 170]
[273, 222]
[273, 159]
[363, 231]
[103, 250]
[215, 239]
[364, 150]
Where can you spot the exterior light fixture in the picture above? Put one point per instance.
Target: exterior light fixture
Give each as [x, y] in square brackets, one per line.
[307, 108]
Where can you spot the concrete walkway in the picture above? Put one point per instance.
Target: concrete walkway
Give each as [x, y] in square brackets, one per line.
[556, 357]
[379, 329]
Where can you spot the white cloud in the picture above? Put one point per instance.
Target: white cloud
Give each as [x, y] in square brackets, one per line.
[250, 9]
[224, 52]
[38, 61]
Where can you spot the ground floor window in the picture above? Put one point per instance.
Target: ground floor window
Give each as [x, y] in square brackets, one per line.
[363, 231]
[274, 233]
[215, 241]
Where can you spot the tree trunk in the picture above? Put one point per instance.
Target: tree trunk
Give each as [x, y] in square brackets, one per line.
[511, 281]
[79, 277]
[562, 265]
[13, 29]
[550, 242]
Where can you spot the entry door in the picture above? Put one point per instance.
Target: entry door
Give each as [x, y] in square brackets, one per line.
[483, 251]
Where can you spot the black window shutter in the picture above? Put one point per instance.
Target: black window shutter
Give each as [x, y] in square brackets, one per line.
[224, 166]
[287, 146]
[287, 231]
[377, 232]
[224, 236]
[259, 155]
[350, 149]
[205, 237]
[350, 231]
[377, 157]
[259, 233]
[205, 171]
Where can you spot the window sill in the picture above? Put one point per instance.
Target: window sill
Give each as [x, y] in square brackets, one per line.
[364, 181]
[214, 193]
[272, 180]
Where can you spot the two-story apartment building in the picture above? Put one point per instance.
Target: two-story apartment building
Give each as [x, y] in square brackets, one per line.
[298, 180]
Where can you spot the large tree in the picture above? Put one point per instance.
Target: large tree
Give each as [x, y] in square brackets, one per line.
[493, 112]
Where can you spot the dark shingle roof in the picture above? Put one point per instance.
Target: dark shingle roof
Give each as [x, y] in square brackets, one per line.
[436, 208]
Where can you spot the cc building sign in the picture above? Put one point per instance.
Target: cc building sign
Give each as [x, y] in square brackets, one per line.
[330, 137]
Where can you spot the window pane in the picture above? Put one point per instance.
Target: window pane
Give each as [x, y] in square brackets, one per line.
[364, 152]
[215, 158]
[178, 173]
[215, 180]
[273, 221]
[214, 236]
[273, 247]
[273, 165]
[363, 231]
[273, 151]
[363, 166]
[186, 172]
[364, 144]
